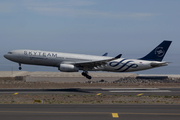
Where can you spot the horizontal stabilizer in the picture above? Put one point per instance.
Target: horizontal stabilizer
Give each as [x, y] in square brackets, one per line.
[158, 64]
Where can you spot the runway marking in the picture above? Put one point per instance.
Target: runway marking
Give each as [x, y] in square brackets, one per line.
[125, 113]
[115, 115]
[15, 93]
[38, 101]
[140, 94]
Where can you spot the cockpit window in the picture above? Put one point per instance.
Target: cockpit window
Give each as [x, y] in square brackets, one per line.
[9, 52]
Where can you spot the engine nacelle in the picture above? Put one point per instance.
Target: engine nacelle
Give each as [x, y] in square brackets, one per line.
[68, 68]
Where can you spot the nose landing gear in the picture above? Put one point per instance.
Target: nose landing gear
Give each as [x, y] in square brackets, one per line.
[20, 68]
[85, 74]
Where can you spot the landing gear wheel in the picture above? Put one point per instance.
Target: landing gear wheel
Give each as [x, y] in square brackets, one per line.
[20, 68]
[88, 77]
[85, 74]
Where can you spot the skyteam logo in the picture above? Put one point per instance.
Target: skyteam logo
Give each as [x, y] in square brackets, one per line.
[159, 51]
[123, 66]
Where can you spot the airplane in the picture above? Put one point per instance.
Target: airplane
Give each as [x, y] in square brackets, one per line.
[68, 62]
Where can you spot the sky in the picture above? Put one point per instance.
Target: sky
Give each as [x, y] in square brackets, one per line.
[130, 27]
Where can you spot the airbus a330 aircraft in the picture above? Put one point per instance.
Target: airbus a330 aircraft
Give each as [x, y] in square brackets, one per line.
[67, 62]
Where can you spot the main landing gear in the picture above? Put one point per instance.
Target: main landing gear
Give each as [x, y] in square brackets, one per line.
[85, 74]
[20, 68]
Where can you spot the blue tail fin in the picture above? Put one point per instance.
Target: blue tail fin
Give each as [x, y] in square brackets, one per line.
[159, 52]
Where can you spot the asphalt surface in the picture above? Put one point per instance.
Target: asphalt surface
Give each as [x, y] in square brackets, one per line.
[107, 91]
[88, 112]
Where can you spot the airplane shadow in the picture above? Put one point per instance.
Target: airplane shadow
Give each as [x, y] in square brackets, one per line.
[47, 90]
[68, 90]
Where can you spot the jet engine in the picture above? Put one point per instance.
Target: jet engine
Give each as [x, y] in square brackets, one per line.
[68, 68]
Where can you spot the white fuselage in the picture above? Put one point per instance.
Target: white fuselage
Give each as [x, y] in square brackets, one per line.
[46, 58]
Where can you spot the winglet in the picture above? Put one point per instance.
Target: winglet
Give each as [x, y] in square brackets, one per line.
[105, 54]
[119, 56]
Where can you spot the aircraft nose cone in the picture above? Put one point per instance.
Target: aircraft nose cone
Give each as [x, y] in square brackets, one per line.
[5, 56]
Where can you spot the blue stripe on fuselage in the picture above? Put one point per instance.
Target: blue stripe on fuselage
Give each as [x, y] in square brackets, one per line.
[124, 64]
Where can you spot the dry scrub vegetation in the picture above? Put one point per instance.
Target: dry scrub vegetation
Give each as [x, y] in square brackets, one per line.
[86, 99]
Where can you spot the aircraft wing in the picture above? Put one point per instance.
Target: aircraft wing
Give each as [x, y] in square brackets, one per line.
[92, 64]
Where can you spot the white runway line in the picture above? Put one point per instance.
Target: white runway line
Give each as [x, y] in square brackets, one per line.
[129, 88]
[135, 90]
[143, 91]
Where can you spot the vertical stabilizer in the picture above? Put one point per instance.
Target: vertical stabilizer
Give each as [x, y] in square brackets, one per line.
[159, 52]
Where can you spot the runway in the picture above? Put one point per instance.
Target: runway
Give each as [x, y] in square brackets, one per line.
[88, 112]
[107, 91]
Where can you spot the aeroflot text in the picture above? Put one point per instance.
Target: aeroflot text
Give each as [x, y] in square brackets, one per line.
[40, 54]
